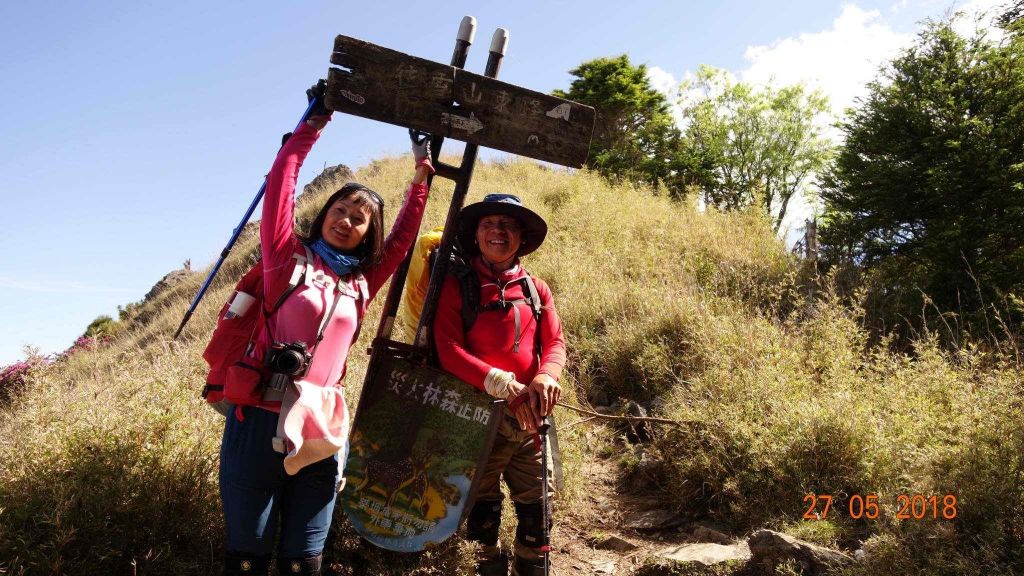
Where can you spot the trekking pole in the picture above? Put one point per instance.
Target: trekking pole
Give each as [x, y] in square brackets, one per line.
[463, 40]
[462, 175]
[545, 497]
[234, 237]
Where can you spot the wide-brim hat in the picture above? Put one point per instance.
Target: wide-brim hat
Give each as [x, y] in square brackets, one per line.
[534, 227]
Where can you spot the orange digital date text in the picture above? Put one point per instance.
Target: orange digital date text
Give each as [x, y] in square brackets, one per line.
[909, 507]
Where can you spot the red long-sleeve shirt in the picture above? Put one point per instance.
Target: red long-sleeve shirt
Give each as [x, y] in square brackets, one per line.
[490, 341]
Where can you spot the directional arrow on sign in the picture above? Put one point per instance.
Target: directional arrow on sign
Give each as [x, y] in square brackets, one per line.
[471, 124]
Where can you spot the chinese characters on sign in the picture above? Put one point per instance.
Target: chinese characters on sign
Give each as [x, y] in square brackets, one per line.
[397, 521]
[412, 386]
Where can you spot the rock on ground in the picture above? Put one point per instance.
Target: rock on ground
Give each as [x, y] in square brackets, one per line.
[769, 548]
[707, 553]
[652, 520]
[703, 533]
[615, 543]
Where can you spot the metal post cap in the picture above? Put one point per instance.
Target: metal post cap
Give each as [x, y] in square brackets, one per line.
[499, 42]
[467, 29]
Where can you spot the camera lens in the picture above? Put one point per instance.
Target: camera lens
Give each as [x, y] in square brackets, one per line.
[288, 362]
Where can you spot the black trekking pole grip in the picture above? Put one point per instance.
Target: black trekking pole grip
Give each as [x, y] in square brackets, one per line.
[234, 237]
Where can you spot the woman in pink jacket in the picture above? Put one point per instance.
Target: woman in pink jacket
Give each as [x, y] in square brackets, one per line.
[280, 456]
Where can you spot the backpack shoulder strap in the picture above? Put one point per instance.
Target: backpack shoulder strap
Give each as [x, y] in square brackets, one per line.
[534, 296]
[303, 269]
[538, 309]
[363, 288]
[469, 286]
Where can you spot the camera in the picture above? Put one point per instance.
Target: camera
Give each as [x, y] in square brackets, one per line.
[286, 361]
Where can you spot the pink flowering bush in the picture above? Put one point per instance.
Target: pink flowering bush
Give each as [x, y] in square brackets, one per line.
[85, 343]
[14, 377]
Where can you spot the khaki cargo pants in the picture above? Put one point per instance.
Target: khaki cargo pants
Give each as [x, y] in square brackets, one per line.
[516, 459]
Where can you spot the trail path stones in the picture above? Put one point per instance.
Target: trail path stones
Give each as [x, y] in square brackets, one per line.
[652, 520]
[703, 533]
[616, 531]
[707, 553]
[769, 548]
[615, 543]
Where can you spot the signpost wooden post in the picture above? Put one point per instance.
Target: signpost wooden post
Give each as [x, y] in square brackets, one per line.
[400, 495]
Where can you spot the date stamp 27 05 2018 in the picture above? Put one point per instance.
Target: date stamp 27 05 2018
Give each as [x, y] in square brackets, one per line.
[909, 507]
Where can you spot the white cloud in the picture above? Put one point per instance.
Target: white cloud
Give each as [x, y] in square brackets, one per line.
[839, 60]
[665, 82]
[979, 15]
[662, 81]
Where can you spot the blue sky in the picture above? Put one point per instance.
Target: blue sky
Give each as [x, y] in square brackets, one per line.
[136, 133]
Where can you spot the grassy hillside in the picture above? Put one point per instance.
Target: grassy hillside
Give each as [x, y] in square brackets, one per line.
[108, 460]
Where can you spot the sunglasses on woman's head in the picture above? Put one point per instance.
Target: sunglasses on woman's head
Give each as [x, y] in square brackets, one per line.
[352, 186]
[376, 197]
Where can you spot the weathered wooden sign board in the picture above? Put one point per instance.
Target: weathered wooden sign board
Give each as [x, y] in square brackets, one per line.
[419, 441]
[389, 86]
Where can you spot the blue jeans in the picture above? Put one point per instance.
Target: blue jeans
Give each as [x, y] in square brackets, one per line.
[259, 497]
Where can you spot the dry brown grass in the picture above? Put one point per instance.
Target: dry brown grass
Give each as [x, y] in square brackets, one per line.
[109, 457]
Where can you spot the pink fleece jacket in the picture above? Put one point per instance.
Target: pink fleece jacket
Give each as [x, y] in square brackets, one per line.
[314, 417]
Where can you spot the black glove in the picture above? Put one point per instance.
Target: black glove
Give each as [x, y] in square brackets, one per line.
[318, 91]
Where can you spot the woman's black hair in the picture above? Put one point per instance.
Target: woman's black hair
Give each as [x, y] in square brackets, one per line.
[371, 249]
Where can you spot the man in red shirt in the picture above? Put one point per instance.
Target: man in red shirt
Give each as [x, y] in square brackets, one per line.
[514, 347]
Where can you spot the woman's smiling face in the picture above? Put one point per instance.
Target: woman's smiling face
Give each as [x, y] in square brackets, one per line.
[346, 223]
[499, 237]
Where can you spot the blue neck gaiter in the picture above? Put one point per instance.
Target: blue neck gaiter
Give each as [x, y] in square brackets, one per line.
[341, 264]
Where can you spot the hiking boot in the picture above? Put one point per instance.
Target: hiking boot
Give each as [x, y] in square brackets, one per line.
[493, 566]
[300, 566]
[524, 567]
[242, 565]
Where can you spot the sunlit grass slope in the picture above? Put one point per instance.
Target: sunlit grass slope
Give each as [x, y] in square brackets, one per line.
[109, 458]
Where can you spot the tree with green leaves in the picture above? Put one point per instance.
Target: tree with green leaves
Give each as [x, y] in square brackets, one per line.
[752, 146]
[927, 193]
[102, 326]
[635, 136]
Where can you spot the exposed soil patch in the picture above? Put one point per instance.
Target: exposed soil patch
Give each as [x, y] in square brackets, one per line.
[618, 529]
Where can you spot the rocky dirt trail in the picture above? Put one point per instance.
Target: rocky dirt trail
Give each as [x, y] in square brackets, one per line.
[619, 530]
[622, 531]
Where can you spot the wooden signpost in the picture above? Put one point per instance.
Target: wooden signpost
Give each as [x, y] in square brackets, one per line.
[396, 88]
[420, 436]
